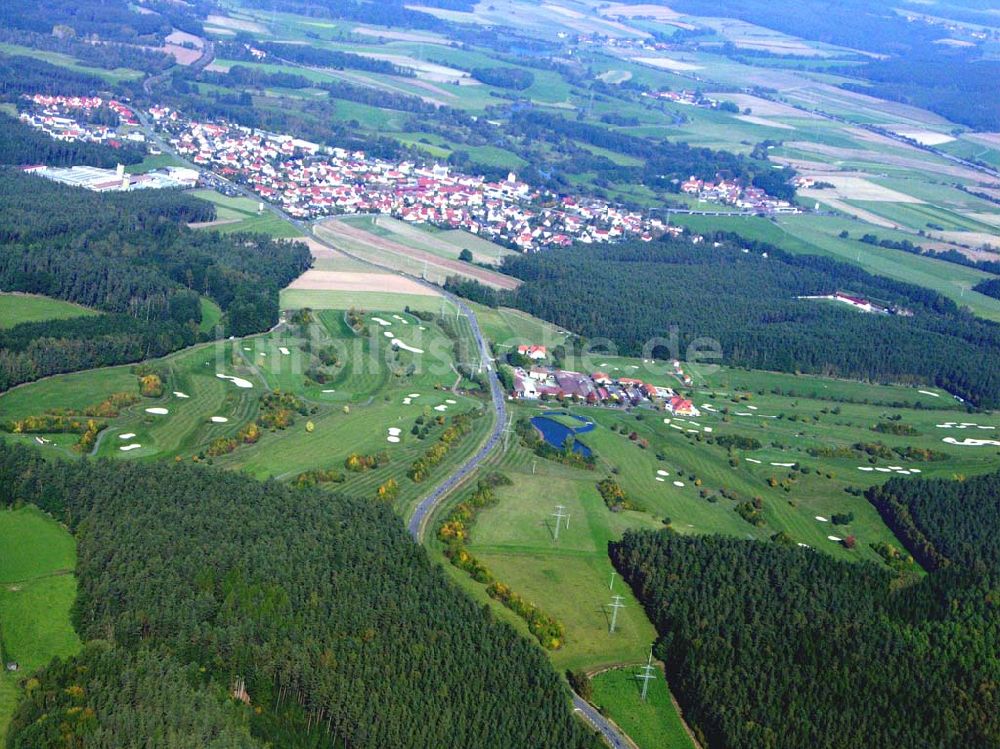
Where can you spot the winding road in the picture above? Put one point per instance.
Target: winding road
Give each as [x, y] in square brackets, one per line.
[425, 509]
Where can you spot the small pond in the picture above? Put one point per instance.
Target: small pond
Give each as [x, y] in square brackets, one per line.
[556, 434]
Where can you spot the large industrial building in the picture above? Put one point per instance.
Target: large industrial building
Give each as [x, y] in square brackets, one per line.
[116, 180]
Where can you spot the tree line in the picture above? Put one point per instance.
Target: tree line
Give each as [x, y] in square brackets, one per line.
[216, 606]
[744, 295]
[838, 654]
[128, 254]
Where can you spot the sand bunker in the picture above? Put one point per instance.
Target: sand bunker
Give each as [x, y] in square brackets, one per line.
[380, 321]
[450, 402]
[126, 436]
[822, 519]
[158, 411]
[661, 472]
[442, 407]
[835, 538]
[237, 381]
[753, 460]
[679, 483]
[133, 446]
[783, 465]
[867, 469]
[399, 344]
[178, 394]
[928, 392]
[329, 390]
[284, 351]
[218, 419]
[388, 334]
[394, 431]
[413, 395]
[970, 442]
[392, 438]
[660, 478]
[401, 319]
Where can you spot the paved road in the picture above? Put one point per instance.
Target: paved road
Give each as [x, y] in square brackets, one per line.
[614, 738]
[611, 735]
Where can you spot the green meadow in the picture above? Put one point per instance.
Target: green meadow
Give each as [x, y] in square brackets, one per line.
[20, 308]
[37, 589]
[651, 724]
[241, 214]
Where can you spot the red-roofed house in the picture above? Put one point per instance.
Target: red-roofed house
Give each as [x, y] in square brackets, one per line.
[682, 407]
[535, 353]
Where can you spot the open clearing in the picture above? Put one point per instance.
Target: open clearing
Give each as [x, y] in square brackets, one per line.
[37, 589]
[17, 308]
[235, 24]
[651, 724]
[667, 63]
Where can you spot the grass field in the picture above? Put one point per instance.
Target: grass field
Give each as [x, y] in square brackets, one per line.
[70, 62]
[211, 313]
[37, 589]
[20, 308]
[653, 723]
[382, 300]
[242, 215]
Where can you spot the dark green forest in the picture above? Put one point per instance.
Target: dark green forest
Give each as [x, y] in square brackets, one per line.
[128, 254]
[770, 646]
[944, 523]
[743, 295]
[342, 630]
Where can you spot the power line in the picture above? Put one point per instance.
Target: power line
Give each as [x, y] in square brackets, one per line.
[559, 514]
[616, 603]
[647, 674]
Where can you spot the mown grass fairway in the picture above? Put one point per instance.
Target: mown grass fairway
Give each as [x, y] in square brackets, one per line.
[37, 589]
[19, 308]
[653, 723]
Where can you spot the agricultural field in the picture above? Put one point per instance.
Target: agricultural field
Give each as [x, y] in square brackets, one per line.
[37, 589]
[399, 246]
[820, 235]
[18, 308]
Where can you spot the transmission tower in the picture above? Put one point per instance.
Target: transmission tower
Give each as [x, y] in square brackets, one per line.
[647, 675]
[616, 603]
[559, 514]
[612, 585]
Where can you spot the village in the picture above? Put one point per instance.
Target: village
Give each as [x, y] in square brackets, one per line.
[310, 181]
[542, 383]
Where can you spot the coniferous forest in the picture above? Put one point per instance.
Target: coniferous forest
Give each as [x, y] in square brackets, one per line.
[195, 582]
[773, 646]
[743, 295]
[131, 255]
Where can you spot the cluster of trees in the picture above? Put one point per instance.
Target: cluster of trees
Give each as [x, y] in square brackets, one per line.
[205, 585]
[128, 254]
[460, 426]
[305, 54]
[515, 78]
[944, 523]
[989, 287]
[746, 301]
[838, 654]
[26, 75]
[242, 76]
[108, 56]
[110, 20]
